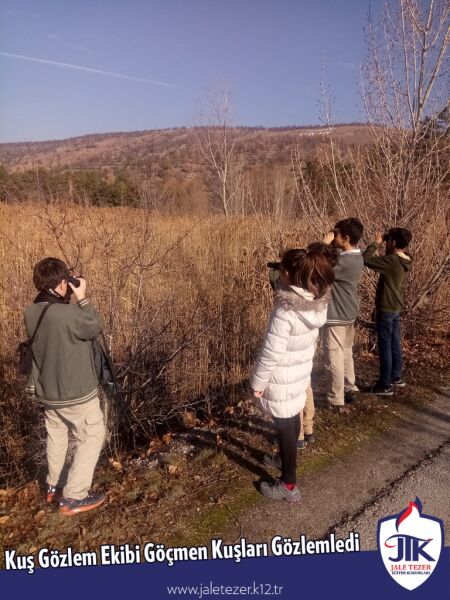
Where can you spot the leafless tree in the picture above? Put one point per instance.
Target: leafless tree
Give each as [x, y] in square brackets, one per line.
[405, 81]
[216, 142]
[401, 177]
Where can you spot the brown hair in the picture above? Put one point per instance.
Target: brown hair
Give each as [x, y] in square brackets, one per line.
[311, 269]
[49, 272]
[326, 249]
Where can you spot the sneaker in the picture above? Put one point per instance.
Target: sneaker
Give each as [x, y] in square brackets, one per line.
[301, 444]
[354, 389]
[53, 493]
[309, 438]
[278, 491]
[399, 382]
[381, 390]
[351, 396]
[341, 409]
[272, 461]
[69, 506]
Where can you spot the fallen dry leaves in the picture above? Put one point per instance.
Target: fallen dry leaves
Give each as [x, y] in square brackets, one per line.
[39, 516]
[173, 470]
[117, 465]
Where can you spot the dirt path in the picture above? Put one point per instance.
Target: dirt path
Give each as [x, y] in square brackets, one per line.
[376, 479]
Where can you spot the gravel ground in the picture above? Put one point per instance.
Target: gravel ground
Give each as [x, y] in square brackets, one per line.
[430, 482]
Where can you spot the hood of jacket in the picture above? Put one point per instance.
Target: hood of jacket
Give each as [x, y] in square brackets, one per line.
[307, 308]
[405, 259]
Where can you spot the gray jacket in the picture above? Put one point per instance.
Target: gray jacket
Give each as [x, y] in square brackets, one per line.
[344, 306]
[63, 372]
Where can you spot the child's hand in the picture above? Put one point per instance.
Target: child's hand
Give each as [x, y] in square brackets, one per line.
[328, 237]
[378, 238]
[79, 292]
[258, 394]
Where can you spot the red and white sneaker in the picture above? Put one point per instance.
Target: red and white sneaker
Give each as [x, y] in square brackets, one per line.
[53, 493]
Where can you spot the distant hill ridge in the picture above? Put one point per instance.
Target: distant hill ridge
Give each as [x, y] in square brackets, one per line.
[109, 152]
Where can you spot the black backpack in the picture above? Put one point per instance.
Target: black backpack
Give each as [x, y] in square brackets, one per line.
[104, 367]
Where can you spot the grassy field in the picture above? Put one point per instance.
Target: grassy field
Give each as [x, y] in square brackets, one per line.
[184, 301]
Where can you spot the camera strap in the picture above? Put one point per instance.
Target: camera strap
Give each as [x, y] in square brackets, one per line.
[41, 316]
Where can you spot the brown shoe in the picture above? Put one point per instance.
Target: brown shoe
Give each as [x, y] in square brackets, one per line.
[69, 506]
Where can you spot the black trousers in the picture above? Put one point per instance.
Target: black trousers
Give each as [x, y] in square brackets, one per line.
[288, 431]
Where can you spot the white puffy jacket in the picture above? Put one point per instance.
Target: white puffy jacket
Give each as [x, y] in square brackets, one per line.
[283, 368]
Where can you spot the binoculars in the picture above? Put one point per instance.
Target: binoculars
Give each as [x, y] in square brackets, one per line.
[274, 265]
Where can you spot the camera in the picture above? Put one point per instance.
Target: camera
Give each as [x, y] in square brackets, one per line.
[274, 274]
[74, 281]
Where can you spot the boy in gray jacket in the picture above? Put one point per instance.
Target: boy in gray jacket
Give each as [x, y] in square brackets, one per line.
[338, 332]
[64, 380]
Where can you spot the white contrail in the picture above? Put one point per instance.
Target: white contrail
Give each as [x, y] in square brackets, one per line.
[80, 68]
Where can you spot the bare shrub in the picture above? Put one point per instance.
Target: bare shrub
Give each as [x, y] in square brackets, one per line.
[402, 177]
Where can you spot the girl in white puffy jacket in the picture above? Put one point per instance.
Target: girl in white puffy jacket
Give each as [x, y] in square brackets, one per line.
[282, 372]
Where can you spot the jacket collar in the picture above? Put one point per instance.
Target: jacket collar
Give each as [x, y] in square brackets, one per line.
[352, 251]
[45, 296]
[298, 299]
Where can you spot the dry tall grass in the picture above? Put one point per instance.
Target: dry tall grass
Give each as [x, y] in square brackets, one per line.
[184, 301]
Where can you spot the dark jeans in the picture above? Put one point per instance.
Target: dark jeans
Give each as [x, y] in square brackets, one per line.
[389, 347]
[288, 431]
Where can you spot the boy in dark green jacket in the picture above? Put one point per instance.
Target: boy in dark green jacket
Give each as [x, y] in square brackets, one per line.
[389, 303]
[63, 379]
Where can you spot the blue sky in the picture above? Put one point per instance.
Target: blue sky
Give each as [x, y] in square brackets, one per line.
[267, 52]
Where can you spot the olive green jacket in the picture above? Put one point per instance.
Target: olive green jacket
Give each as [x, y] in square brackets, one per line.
[392, 268]
[63, 372]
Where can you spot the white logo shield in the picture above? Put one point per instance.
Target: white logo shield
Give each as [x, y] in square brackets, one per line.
[410, 545]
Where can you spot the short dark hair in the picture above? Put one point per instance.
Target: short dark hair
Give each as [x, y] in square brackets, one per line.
[400, 236]
[310, 269]
[49, 272]
[353, 228]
